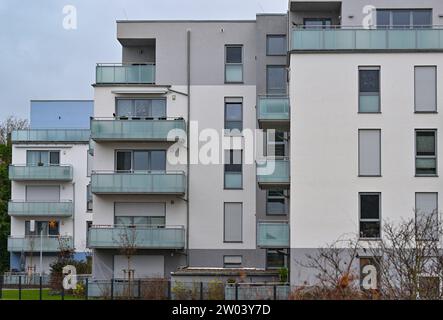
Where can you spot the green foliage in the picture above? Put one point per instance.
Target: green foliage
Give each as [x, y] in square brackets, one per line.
[283, 275]
[5, 194]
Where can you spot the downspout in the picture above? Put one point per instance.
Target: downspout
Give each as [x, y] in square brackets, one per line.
[188, 155]
[73, 216]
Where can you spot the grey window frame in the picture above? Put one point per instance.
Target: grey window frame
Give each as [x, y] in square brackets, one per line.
[273, 92]
[285, 258]
[426, 157]
[411, 17]
[146, 216]
[232, 266]
[117, 99]
[322, 20]
[132, 159]
[269, 36]
[224, 222]
[380, 156]
[230, 100]
[360, 94]
[438, 220]
[230, 63]
[275, 143]
[224, 168]
[89, 198]
[379, 220]
[49, 156]
[284, 196]
[436, 88]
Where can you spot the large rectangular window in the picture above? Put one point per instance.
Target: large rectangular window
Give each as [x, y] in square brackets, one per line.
[141, 108]
[234, 114]
[45, 228]
[315, 23]
[276, 45]
[140, 160]
[276, 202]
[404, 18]
[276, 258]
[426, 216]
[276, 143]
[425, 152]
[369, 89]
[425, 89]
[369, 153]
[370, 222]
[234, 64]
[42, 158]
[276, 80]
[233, 169]
[140, 214]
[233, 221]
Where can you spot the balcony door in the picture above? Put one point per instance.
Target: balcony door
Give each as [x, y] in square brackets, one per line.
[140, 160]
[141, 108]
[42, 158]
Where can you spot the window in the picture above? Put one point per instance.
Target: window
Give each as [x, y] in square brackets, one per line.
[232, 261]
[369, 89]
[42, 158]
[234, 64]
[140, 160]
[275, 259]
[276, 143]
[426, 216]
[276, 45]
[374, 262]
[370, 215]
[429, 287]
[46, 228]
[426, 89]
[276, 202]
[404, 18]
[233, 169]
[317, 23]
[276, 79]
[233, 114]
[141, 108]
[88, 198]
[140, 213]
[426, 153]
[42, 193]
[233, 221]
[369, 152]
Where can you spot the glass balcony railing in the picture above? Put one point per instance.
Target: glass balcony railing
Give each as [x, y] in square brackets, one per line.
[151, 182]
[44, 173]
[50, 135]
[141, 237]
[135, 129]
[273, 235]
[348, 38]
[273, 172]
[114, 73]
[37, 243]
[40, 209]
[273, 108]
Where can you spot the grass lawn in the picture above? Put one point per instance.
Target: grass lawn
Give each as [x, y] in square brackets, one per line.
[33, 294]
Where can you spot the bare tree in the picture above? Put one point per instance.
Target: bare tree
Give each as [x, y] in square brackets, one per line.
[10, 124]
[128, 248]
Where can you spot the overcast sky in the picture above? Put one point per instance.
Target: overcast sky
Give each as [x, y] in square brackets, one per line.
[39, 59]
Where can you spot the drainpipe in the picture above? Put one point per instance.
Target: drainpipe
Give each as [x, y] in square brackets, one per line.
[73, 216]
[188, 155]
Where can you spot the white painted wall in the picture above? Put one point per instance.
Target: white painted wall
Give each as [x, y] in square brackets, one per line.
[324, 144]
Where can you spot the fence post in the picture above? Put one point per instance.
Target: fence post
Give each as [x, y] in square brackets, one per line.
[139, 289]
[236, 291]
[40, 285]
[201, 290]
[86, 288]
[169, 290]
[1, 286]
[112, 289]
[275, 292]
[19, 287]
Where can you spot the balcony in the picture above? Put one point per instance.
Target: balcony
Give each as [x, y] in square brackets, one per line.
[50, 136]
[140, 237]
[40, 209]
[135, 129]
[151, 182]
[273, 234]
[338, 38]
[37, 244]
[40, 173]
[273, 173]
[273, 112]
[116, 73]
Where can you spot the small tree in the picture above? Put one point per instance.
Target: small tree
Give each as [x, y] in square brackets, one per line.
[128, 248]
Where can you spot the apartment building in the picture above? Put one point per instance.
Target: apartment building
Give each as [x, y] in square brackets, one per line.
[49, 208]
